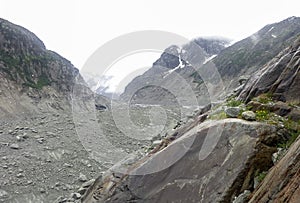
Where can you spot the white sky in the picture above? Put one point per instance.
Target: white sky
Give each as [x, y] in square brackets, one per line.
[76, 28]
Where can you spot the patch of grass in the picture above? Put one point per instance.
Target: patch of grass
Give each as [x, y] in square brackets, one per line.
[249, 107]
[261, 176]
[262, 115]
[218, 116]
[9, 59]
[264, 98]
[294, 130]
[233, 102]
[197, 78]
[294, 104]
[42, 81]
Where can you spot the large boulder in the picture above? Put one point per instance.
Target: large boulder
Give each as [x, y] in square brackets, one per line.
[233, 112]
[214, 161]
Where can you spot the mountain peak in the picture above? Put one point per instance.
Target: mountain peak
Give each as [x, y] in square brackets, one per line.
[15, 34]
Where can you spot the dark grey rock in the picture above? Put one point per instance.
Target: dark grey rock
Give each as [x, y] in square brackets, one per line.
[82, 190]
[42, 190]
[14, 146]
[233, 112]
[34, 131]
[280, 77]
[75, 195]
[211, 165]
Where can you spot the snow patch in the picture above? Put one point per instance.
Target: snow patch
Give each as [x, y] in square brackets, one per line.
[274, 36]
[209, 58]
[270, 29]
[180, 65]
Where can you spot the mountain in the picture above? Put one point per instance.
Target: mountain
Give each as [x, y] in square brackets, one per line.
[29, 70]
[168, 81]
[245, 149]
[246, 56]
[61, 143]
[41, 155]
[179, 72]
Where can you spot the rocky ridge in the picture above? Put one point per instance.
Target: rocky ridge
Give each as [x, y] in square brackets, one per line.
[171, 74]
[30, 73]
[195, 71]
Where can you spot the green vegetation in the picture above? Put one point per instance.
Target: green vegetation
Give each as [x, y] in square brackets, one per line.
[233, 102]
[218, 116]
[264, 98]
[20, 67]
[294, 104]
[262, 115]
[197, 78]
[9, 60]
[42, 81]
[294, 131]
[261, 176]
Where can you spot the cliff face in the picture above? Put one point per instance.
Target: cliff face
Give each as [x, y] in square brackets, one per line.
[280, 77]
[29, 72]
[282, 183]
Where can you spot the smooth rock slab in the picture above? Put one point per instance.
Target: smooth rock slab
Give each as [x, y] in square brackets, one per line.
[207, 164]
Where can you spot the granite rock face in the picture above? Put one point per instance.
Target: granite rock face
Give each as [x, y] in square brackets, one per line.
[282, 184]
[212, 162]
[280, 77]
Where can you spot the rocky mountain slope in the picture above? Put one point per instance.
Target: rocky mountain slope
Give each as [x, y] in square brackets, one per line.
[279, 77]
[243, 149]
[170, 75]
[185, 74]
[28, 70]
[41, 156]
